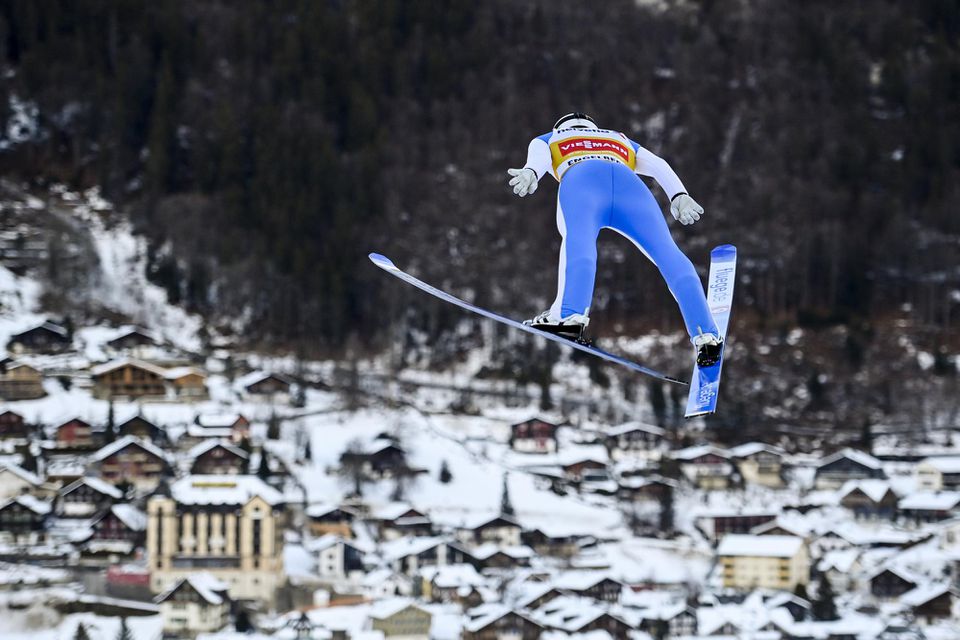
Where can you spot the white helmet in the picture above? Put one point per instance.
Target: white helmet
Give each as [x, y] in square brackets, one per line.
[575, 120]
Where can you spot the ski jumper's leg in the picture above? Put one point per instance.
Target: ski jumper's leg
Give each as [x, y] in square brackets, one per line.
[583, 201]
[637, 216]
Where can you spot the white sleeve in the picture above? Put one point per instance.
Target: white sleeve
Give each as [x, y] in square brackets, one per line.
[650, 164]
[538, 157]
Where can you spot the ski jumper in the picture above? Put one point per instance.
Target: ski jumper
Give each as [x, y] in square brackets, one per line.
[599, 188]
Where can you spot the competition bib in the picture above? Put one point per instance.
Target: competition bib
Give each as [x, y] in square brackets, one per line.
[570, 146]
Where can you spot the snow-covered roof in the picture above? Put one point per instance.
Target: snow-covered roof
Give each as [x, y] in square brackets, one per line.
[403, 547]
[841, 560]
[96, 484]
[489, 549]
[48, 326]
[452, 576]
[745, 545]
[33, 503]
[21, 473]
[930, 500]
[580, 580]
[181, 372]
[925, 593]
[129, 515]
[943, 464]
[750, 448]
[391, 511]
[107, 367]
[634, 426]
[480, 520]
[218, 420]
[691, 453]
[254, 377]
[873, 489]
[126, 441]
[222, 490]
[206, 585]
[857, 456]
[386, 608]
[201, 448]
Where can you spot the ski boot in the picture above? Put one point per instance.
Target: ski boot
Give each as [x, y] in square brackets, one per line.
[572, 327]
[709, 348]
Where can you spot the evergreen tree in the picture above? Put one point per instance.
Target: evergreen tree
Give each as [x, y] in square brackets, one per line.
[666, 511]
[506, 507]
[825, 606]
[263, 471]
[307, 449]
[81, 632]
[273, 427]
[445, 475]
[242, 622]
[110, 432]
[29, 460]
[124, 633]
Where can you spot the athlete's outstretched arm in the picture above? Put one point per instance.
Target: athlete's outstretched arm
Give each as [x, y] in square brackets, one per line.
[538, 163]
[682, 206]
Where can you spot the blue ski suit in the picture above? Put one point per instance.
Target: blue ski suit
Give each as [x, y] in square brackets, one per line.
[599, 188]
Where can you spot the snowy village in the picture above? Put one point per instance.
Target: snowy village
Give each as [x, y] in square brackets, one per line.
[405, 320]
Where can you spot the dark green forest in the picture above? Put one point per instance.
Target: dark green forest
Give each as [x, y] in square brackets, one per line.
[266, 147]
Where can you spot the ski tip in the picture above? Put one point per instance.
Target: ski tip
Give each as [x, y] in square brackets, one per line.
[381, 261]
[723, 252]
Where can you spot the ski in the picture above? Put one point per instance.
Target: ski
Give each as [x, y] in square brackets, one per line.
[705, 384]
[387, 265]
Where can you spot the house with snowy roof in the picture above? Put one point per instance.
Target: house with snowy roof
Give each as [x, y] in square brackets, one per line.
[261, 384]
[20, 381]
[401, 618]
[76, 434]
[596, 585]
[672, 620]
[382, 583]
[534, 436]
[929, 506]
[121, 523]
[932, 603]
[500, 530]
[575, 615]
[938, 473]
[196, 603]
[716, 523]
[400, 520]
[139, 379]
[456, 583]
[495, 621]
[85, 498]
[217, 457]
[845, 465]
[231, 426]
[23, 519]
[891, 582]
[133, 342]
[841, 567]
[323, 519]
[131, 460]
[774, 562]
[13, 426]
[47, 338]
[139, 426]
[759, 463]
[633, 439]
[869, 499]
[409, 555]
[706, 466]
[15, 481]
[231, 526]
[337, 558]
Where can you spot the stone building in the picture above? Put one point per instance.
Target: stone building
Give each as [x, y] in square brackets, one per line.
[231, 526]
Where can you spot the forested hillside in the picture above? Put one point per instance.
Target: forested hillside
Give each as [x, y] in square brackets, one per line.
[266, 147]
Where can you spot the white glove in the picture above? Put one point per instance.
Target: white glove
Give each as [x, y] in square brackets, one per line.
[524, 181]
[685, 209]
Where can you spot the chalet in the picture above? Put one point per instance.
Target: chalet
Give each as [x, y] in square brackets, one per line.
[929, 506]
[232, 426]
[132, 342]
[773, 562]
[849, 464]
[717, 524]
[23, 519]
[131, 460]
[380, 459]
[382, 583]
[839, 566]
[329, 519]
[139, 427]
[869, 499]
[783, 525]
[15, 481]
[572, 615]
[131, 378]
[122, 523]
[561, 545]
[500, 530]
[400, 618]
[633, 438]
[590, 584]
[85, 497]
[492, 556]
[13, 427]
[534, 436]
[705, 466]
[931, 603]
[577, 470]
[399, 520]
[455, 583]
[759, 463]
[194, 604]
[638, 489]
[890, 583]
[266, 384]
[409, 555]
[337, 559]
[20, 381]
[217, 458]
[495, 621]
[45, 338]
[679, 620]
[938, 473]
[75, 434]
